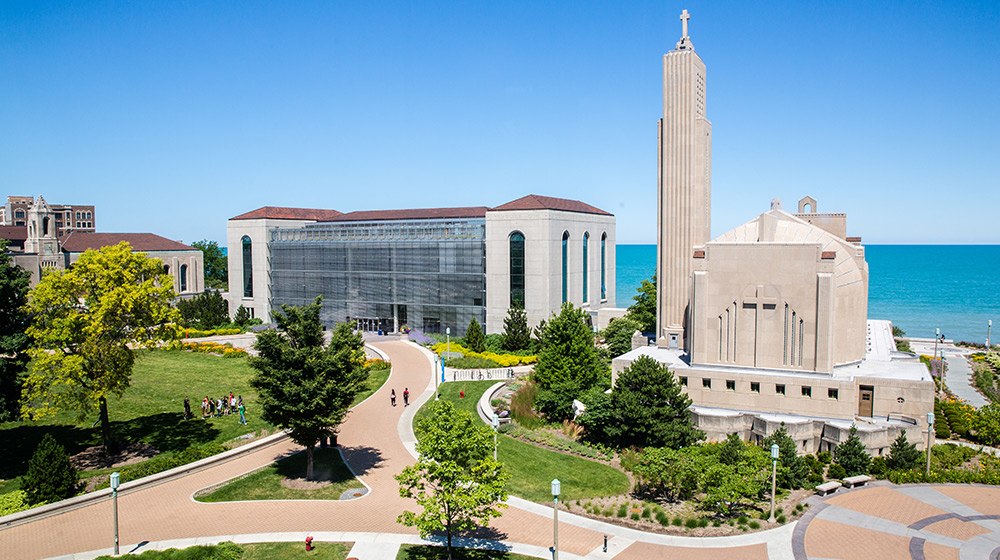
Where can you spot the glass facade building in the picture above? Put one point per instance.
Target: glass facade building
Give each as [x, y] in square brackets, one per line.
[384, 274]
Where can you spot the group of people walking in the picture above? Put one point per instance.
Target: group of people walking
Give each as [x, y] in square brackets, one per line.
[406, 397]
[223, 406]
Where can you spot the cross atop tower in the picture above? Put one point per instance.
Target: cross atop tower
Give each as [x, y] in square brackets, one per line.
[684, 24]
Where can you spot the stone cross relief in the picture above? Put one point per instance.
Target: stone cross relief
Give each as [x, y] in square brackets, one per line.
[758, 301]
[684, 23]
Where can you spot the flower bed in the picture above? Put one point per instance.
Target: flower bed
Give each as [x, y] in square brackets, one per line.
[377, 364]
[195, 333]
[503, 360]
[225, 350]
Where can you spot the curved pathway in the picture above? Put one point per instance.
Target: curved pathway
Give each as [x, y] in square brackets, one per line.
[377, 442]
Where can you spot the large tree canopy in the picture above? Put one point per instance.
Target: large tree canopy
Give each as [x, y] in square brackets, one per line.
[455, 481]
[644, 308]
[305, 386]
[568, 354]
[206, 310]
[14, 341]
[87, 321]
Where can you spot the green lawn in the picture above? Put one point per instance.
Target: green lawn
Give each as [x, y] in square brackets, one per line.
[151, 410]
[422, 552]
[532, 467]
[266, 484]
[375, 381]
[256, 551]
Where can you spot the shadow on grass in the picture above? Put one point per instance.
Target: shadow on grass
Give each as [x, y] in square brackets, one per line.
[325, 460]
[167, 432]
[362, 458]
[425, 552]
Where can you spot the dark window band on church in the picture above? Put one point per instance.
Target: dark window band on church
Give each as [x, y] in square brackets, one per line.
[247, 267]
[517, 269]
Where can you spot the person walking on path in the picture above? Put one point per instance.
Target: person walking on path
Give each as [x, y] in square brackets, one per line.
[243, 418]
[392, 397]
[406, 396]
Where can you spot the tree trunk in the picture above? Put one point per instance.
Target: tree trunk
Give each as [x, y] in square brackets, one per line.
[448, 528]
[110, 447]
[309, 462]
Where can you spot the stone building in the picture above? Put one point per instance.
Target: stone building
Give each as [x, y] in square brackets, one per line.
[66, 217]
[429, 269]
[767, 324]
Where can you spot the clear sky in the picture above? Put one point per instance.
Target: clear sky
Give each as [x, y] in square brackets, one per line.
[172, 117]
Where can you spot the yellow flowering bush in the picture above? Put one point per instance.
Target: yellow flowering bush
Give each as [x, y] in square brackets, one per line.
[195, 333]
[504, 360]
[225, 350]
[376, 364]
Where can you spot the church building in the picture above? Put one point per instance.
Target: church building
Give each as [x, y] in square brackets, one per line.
[767, 324]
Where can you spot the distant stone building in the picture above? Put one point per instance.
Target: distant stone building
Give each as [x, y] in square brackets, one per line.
[429, 269]
[36, 247]
[66, 217]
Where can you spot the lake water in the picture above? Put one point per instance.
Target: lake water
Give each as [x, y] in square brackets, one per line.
[918, 287]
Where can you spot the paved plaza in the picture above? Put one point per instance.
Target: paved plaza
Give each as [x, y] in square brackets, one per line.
[880, 521]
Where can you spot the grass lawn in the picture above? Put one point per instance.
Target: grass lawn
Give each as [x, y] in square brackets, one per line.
[533, 468]
[266, 484]
[256, 551]
[375, 381]
[151, 410]
[422, 552]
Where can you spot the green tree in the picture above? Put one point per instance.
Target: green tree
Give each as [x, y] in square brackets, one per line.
[986, 423]
[792, 469]
[851, 454]
[674, 474]
[474, 339]
[568, 353]
[644, 309]
[206, 310]
[556, 402]
[87, 322]
[618, 335]
[304, 385]
[50, 477]
[647, 409]
[216, 264]
[903, 455]
[732, 450]
[14, 340]
[242, 317]
[515, 330]
[730, 488]
[456, 481]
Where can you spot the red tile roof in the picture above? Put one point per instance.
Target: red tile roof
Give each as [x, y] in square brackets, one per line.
[412, 214]
[282, 213]
[14, 233]
[536, 202]
[78, 242]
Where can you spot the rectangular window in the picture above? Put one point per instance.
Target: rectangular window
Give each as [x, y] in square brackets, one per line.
[807, 391]
[755, 387]
[779, 389]
[833, 393]
[706, 383]
[730, 385]
[684, 382]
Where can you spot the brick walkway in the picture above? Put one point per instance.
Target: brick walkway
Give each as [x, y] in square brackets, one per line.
[914, 521]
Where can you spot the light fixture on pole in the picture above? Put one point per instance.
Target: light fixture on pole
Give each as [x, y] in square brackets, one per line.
[115, 481]
[930, 426]
[989, 330]
[937, 335]
[496, 428]
[775, 451]
[555, 519]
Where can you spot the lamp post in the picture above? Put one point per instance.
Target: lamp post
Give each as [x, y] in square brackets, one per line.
[555, 519]
[496, 428]
[930, 426]
[775, 451]
[115, 481]
[989, 329]
[436, 362]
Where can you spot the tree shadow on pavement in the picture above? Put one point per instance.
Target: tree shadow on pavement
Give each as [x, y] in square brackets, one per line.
[362, 458]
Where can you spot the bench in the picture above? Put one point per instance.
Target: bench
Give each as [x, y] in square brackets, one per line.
[828, 487]
[859, 480]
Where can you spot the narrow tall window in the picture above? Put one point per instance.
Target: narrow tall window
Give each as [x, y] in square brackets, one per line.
[184, 277]
[586, 262]
[517, 269]
[565, 267]
[604, 266]
[247, 267]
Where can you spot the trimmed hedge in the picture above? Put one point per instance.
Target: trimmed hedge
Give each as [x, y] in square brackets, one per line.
[162, 463]
[504, 360]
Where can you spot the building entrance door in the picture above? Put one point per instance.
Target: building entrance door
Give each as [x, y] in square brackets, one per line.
[866, 400]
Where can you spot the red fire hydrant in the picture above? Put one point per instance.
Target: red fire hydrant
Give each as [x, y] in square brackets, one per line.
[309, 543]
[461, 394]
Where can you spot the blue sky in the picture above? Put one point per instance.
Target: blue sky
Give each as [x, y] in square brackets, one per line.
[172, 117]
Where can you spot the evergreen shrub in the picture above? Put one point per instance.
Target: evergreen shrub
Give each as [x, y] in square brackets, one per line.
[50, 477]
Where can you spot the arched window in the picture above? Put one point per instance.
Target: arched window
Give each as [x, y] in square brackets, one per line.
[604, 266]
[19, 213]
[565, 267]
[517, 269]
[45, 226]
[184, 277]
[247, 267]
[586, 262]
